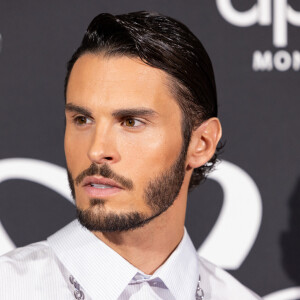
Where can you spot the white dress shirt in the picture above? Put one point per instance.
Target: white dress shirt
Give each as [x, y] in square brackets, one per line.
[74, 264]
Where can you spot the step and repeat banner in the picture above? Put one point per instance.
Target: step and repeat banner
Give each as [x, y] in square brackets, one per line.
[246, 216]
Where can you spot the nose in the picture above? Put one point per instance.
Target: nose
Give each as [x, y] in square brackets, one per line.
[103, 146]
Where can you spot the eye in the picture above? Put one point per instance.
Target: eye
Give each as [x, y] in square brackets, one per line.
[82, 120]
[131, 122]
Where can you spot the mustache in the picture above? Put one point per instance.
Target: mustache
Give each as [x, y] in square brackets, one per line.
[106, 172]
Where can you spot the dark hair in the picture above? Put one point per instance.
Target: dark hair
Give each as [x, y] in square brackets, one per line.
[164, 43]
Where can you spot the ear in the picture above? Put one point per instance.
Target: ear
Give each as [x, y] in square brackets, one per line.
[204, 141]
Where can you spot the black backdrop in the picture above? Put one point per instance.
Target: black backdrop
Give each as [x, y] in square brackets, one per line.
[254, 47]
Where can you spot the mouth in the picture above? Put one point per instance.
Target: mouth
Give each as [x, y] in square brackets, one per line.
[97, 187]
[101, 186]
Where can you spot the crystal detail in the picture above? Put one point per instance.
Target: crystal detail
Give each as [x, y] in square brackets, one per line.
[199, 291]
[79, 295]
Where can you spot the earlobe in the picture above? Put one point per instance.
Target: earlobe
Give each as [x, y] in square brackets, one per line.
[204, 142]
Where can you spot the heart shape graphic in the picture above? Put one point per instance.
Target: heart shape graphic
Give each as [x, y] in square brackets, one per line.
[237, 226]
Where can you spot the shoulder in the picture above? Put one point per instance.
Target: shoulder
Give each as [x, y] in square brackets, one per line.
[26, 272]
[25, 257]
[219, 284]
[26, 261]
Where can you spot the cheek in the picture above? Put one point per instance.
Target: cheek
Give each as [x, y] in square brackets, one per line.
[150, 154]
[75, 151]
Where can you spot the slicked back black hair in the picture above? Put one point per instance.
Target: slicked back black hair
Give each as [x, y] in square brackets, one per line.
[167, 44]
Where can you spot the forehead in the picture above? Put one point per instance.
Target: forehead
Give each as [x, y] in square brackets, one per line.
[119, 81]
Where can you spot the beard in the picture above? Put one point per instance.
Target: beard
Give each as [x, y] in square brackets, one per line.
[159, 194]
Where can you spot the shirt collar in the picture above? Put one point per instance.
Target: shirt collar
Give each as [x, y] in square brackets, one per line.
[104, 274]
[180, 272]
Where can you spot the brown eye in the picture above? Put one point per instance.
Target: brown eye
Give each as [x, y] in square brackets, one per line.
[130, 122]
[81, 120]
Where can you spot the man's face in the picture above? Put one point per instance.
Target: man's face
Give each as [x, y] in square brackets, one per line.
[123, 142]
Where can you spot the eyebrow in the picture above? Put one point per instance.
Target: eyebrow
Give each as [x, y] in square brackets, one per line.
[79, 109]
[119, 113]
[134, 112]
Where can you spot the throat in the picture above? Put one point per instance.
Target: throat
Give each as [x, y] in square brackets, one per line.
[141, 247]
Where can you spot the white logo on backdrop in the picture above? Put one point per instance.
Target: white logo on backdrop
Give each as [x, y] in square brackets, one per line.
[238, 224]
[51, 176]
[234, 232]
[261, 13]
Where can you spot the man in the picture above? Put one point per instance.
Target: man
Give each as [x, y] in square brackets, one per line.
[141, 130]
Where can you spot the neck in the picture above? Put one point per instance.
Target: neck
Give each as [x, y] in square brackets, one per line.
[148, 247]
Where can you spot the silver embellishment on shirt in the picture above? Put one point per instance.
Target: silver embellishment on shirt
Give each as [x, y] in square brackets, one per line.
[71, 279]
[199, 291]
[78, 294]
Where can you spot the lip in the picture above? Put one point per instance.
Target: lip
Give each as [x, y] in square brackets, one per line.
[99, 180]
[96, 192]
